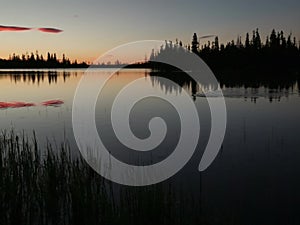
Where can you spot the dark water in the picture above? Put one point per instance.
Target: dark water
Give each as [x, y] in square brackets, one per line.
[255, 177]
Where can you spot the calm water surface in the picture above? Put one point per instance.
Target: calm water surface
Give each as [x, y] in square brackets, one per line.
[255, 178]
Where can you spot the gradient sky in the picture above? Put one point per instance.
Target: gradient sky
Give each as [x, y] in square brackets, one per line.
[92, 27]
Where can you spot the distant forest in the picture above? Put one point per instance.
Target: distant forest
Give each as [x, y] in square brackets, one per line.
[277, 53]
[32, 60]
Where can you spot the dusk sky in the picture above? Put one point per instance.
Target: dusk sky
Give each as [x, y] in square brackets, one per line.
[92, 27]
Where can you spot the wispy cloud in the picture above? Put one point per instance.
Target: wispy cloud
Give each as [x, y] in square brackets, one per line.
[17, 28]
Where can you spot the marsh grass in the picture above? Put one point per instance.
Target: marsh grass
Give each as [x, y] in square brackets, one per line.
[50, 186]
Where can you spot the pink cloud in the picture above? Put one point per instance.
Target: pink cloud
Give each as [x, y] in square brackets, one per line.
[14, 28]
[49, 30]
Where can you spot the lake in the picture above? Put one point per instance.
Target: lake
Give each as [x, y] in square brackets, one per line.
[253, 180]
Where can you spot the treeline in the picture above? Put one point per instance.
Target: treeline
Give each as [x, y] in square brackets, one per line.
[38, 61]
[277, 53]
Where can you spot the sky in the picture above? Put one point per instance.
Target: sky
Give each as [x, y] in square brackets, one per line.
[92, 27]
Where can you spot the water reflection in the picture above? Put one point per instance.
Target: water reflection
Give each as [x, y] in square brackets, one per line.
[272, 89]
[36, 77]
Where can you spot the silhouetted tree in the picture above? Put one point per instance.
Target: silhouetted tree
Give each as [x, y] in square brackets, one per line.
[273, 39]
[247, 42]
[195, 44]
[257, 42]
[267, 42]
[217, 47]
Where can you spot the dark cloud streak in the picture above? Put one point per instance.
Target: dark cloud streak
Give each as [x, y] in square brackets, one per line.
[207, 36]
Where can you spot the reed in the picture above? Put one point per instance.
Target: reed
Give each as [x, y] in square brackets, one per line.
[50, 186]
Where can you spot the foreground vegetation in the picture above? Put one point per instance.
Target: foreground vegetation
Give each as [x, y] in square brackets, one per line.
[50, 186]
